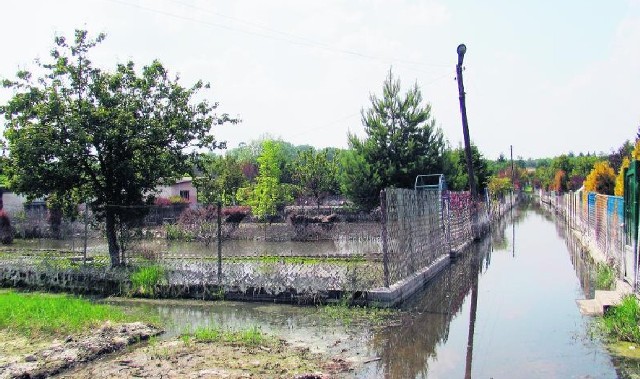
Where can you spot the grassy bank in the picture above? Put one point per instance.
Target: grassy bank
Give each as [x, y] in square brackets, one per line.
[37, 315]
[620, 323]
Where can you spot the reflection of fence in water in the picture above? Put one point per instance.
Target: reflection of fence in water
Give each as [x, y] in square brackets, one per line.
[427, 325]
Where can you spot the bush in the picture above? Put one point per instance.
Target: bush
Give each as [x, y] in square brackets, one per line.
[145, 280]
[621, 322]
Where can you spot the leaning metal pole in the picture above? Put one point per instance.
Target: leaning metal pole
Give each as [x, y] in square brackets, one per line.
[465, 126]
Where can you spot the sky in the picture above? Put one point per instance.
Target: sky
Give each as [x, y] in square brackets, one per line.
[546, 77]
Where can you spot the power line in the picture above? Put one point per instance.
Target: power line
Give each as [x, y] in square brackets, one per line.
[286, 37]
[308, 40]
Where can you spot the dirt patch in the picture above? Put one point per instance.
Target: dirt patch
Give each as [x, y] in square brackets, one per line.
[180, 359]
[20, 359]
[116, 351]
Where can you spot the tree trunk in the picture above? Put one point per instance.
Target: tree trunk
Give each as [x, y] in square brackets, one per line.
[112, 239]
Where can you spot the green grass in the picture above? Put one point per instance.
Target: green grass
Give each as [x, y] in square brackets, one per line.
[251, 336]
[40, 314]
[347, 314]
[621, 322]
[145, 279]
[605, 277]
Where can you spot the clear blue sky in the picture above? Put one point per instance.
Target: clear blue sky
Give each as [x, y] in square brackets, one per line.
[547, 77]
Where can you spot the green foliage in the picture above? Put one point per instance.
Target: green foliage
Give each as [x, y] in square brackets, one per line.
[605, 277]
[38, 314]
[268, 195]
[456, 172]
[113, 136]
[220, 179]
[252, 336]
[145, 280]
[499, 187]
[208, 334]
[315, 173]
[402, 141]
[575, 168]
[357, 180]
[621, 322]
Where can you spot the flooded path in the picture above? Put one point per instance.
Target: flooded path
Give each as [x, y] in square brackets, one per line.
[504, 309]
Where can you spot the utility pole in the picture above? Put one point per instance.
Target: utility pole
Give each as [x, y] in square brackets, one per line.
[465, 127]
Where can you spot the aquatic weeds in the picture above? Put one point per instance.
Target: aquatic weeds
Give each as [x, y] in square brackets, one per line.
[348, 314]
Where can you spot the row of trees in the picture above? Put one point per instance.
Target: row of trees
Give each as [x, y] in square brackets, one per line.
[598, 173]
[402, 141]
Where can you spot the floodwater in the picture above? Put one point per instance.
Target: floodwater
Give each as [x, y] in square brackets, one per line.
[337, 247]
[504, 309]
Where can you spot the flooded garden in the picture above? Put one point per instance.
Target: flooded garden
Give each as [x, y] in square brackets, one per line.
[504, 308]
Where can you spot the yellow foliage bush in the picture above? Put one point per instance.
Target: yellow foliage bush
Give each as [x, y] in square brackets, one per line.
[601, 179]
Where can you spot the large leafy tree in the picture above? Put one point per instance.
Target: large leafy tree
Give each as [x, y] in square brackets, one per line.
[111, 136]
[402, 139]
[315, 173]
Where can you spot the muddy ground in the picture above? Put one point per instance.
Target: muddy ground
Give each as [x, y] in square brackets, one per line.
[133, 351]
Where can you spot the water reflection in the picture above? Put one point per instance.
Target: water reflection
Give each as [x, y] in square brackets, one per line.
[405, 351]
[500, 310]
[230, 248]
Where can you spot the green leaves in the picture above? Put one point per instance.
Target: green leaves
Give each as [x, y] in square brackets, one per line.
[402, 142]
[113, 135]
[269, 194]
[315, 173]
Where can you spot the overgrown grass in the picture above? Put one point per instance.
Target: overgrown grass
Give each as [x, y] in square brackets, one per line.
[251, 336]
[37, 315]
[146, 278]
[621, 322]
[605, 277]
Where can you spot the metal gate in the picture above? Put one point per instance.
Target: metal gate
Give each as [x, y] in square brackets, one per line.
[631, 197]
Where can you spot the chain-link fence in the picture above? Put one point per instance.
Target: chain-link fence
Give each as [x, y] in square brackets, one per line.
[203, 252]
[599, 220]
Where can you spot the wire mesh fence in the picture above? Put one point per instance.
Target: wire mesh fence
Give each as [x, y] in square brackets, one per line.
[204, 251]
[599, 219]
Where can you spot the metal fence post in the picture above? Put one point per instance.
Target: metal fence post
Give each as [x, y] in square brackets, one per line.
[219, 204]
[86, 232]
[384, 233]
